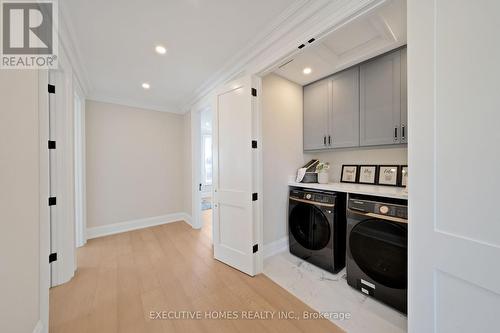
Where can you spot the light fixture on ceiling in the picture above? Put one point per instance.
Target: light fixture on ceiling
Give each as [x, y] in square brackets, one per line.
[307, 70]
[160, 49]
[146, 85]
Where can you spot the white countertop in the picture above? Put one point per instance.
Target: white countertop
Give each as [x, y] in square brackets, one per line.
[377, 190]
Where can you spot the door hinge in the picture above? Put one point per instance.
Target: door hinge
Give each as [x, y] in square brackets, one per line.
[254, 144]
[255, 196]
[52, 257]
[255, 248]
[254, 92]
[52, 89]
[52, 144]
[52, 201]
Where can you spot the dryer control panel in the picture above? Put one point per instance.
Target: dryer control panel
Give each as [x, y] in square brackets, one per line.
[379, 205]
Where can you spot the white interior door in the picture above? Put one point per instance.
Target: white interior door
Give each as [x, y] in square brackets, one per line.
[234, 176]
[454, 112]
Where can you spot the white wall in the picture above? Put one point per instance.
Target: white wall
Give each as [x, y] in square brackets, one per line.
[135, 166]
[281, 150]
[19, 201]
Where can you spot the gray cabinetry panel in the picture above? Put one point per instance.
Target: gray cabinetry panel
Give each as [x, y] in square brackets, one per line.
[344, 119]
[380, 101]
[316, 109]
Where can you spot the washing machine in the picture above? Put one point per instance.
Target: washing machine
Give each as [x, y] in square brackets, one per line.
[377, 248]
[317, 227]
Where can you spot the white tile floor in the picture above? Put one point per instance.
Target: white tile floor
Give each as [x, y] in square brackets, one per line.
[326, 292]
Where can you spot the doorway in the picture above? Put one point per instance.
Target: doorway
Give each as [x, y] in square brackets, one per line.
[205, 185]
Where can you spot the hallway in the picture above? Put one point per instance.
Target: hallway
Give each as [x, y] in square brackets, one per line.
[122, 278]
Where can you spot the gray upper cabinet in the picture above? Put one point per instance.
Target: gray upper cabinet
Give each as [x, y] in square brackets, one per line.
[317, 103]
[380, 100]
[344, 116]
[331, 112]
[365, 105]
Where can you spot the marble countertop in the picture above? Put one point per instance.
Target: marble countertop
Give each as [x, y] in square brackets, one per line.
[377, 190]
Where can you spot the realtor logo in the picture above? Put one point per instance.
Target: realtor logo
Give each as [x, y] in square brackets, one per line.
[29, 34]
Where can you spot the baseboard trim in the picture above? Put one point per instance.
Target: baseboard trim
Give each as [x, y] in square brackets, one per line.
[120, 227]
[38, 327]
[276, 247]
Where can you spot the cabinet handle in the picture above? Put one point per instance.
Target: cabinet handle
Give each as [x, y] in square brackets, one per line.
[403, 134]
[329, 140]
[395, 134]
[324, 140]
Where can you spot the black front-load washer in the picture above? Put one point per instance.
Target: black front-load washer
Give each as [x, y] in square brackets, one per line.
[317, 227]
[377, 248]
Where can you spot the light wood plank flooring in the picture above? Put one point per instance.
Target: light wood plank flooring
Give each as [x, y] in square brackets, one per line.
[121, 278]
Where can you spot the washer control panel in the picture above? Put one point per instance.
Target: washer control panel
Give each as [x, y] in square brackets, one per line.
[321, 197]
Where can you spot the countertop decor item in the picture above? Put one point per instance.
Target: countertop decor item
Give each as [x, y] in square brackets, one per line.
[368, 174]
[404, 175]
[307, 173]
[349, 174]
[322, 170]
[388, 175]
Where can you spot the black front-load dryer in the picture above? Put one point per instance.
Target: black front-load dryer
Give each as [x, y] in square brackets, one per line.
[377, 255]
[317, 227]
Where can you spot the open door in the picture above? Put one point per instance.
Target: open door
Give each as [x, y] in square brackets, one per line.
[234, 175]
[454, 229]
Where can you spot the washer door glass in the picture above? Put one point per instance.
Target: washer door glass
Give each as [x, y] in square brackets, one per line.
[379, 248]
[309, 226]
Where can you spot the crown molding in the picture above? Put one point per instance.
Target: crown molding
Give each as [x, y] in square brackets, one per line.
[72, 50]
[301, 21]
[134, 104]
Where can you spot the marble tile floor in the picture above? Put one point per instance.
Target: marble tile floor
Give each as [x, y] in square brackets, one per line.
[326, 292]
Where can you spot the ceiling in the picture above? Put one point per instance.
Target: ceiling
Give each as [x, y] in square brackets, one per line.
[374, 33]
[116, 40]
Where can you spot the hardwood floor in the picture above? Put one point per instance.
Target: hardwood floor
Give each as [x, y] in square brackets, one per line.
[122, 278]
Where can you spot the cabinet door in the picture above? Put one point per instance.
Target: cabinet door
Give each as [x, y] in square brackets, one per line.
[316, 108]
[380, 100]
[404, 98]
[344, 118]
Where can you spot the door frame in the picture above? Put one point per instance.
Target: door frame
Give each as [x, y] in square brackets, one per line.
[80, 163]
[44, 210]
[63, 234]
[204, 104]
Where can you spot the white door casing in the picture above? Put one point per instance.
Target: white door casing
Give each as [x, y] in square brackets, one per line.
[454, 229]
[234, 175]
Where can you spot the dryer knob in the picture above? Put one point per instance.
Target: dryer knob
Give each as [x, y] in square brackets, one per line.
[383, 209]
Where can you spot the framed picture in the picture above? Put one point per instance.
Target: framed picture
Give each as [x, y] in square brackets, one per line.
[404, 175]
[388, 175]
[349, 174]
[367, 174]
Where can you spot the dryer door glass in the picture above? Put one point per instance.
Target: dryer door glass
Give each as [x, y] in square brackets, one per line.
[309, 226]
[380, 249]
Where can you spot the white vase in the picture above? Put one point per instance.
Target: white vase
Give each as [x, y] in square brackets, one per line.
[323, 177]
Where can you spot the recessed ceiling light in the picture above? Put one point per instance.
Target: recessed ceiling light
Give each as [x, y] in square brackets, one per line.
[307, 70]
[146, 85]
[160, 49]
